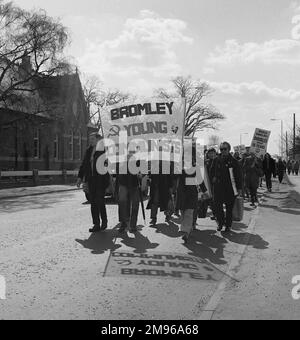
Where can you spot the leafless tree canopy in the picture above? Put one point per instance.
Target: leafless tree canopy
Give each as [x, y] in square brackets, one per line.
[199, 116]
[288, 141]
[31, 44]
[97, 98]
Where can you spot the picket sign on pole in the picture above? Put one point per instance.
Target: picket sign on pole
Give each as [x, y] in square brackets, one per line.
[260, 142]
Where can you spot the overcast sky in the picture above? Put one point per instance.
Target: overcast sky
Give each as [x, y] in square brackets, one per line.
[249, 51]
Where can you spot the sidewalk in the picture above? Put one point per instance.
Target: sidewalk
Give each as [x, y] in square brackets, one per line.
[35, 191]
[294, 182]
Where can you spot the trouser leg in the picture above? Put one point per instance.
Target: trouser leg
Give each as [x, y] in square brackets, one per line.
[219, 209]
[124, 204]
[195, 217]
[269, 181]
[154, 207]
[229, 211]
[94, 203]
[102, 206]
[134, 207]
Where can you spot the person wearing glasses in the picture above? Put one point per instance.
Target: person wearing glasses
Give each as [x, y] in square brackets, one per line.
[227, 185]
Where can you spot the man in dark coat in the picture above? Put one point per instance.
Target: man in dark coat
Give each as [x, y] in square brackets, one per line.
[129, 200]
[296, 168]
[227, 185]
[289, 166]
[269, 170]
[161, 195]
[253, 171]
[97, 184]
[281, 169]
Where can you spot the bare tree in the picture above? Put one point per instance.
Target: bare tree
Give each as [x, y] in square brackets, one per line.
[288, 142]
[97, 98]
[31, 46]
[199, 116]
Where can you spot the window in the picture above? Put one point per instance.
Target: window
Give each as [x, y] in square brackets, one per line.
[56, 148]
[76, 147]
[36, 144]
[71, 145]
[80, 146]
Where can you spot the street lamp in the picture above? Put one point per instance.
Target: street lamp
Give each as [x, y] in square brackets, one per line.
[241, 137]
[281, 142]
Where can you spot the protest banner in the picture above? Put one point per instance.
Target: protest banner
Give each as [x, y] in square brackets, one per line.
[260, 142]
[145, 119]
[147, 127]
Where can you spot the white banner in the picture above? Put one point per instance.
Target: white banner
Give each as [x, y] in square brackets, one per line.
[145, 119]
[260, 142]
[152, 129]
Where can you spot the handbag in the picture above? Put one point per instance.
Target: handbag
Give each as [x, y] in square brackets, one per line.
[238, 210]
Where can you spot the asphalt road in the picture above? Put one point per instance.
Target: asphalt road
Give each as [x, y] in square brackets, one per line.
[54, 269]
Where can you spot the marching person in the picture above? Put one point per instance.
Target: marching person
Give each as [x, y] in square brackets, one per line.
[210, 157]
[161, 191]
[296, 168]
[188, 204]
[253, 172]
[289, 167]
[269, 170]
[129, 201]
[281, 170]
[227, 185]
[245, 189]
[97, 184]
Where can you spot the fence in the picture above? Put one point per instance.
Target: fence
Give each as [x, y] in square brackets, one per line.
[36, 177]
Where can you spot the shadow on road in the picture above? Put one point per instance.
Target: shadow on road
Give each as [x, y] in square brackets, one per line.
[248, 239]
[202, 243]
[139, 242]
[171, 230]
[99, 243]
[44, 201]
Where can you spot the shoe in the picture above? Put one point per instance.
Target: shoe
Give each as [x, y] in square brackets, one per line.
[213, 218]
[123, 228]
[133, 230]
[220, 227]
[185, 238]
[103, 226]
[95, 229]
[153, 222]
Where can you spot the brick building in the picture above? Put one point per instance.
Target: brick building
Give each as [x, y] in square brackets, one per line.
[55, 139]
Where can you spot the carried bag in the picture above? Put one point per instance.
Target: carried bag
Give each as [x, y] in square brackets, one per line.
[238, 210]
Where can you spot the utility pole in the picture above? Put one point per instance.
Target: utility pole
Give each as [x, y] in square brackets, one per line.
[287, 145]
[294, 137]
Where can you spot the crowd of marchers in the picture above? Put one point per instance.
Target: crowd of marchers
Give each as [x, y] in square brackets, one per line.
[229, 180]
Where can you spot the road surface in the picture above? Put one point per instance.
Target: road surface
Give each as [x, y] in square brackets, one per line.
[55, 269]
